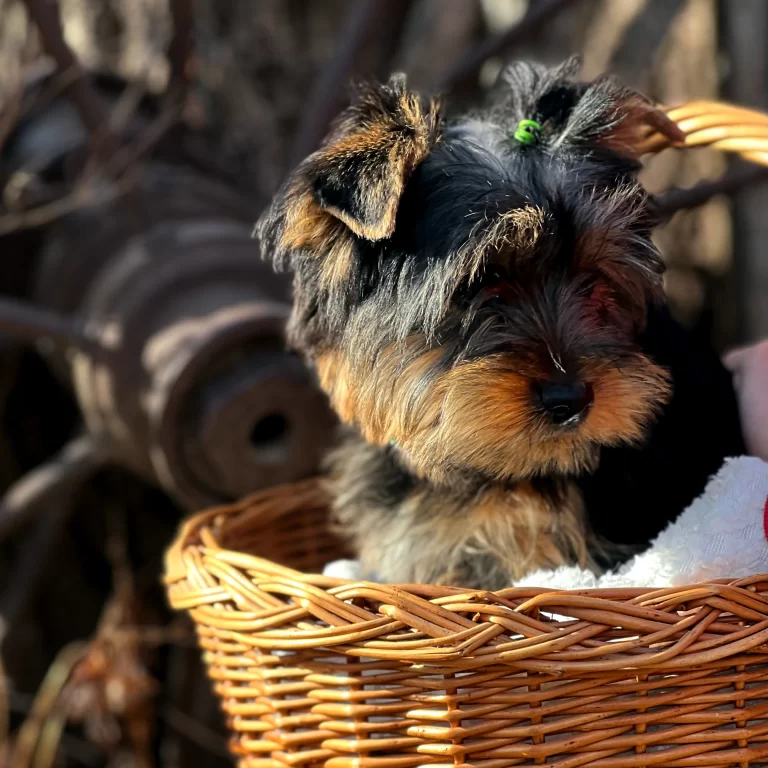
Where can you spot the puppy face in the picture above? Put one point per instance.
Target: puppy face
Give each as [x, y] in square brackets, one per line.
[471, 300]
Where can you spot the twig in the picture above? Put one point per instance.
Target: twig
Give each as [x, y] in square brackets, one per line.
[116, 550]
[469, 67]
[82, 196]
[125, 158]
[176, 634]
[180, 49]
[729, 183]
[118, 119]
[648, 30]
[45, 15]
[10, 112]
[21, 319]
[52, 86]
[366, 24]
[78, 749]
[16, 82]
[28, 108]
[87, 191]
[56, 678]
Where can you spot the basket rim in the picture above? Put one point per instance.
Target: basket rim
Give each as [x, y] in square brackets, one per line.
[213, 519]
[203, 531]
[263, 607]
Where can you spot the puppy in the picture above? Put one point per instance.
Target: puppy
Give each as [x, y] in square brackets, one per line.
[483, 304]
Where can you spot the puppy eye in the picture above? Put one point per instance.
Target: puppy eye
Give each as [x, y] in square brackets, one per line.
[496, 284]
[589, 284]
[494, 275]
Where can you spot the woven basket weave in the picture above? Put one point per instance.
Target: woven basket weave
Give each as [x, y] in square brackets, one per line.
[316, 671]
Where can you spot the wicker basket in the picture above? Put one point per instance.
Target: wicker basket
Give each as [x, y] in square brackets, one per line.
[312, 670]
[315, 671]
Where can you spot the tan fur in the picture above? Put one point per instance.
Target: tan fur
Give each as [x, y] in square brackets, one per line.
[484, 541]
[514, 232]
[388, 146]
[639, 119]
[392, 144]
[310, 227]
[527, 227]
[480, 414]
[387, 180]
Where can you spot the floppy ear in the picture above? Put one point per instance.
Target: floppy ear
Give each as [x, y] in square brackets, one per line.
[355, 180]
[637, 119]
[602, 113]
[360, 173]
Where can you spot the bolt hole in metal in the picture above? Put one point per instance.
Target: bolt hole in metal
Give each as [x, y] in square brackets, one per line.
[269, 437]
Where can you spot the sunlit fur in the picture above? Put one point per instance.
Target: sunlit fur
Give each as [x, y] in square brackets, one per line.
[479, 415]
[443, 273]
[464, 535]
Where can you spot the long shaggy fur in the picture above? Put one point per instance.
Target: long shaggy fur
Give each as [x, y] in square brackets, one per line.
[444, 275]
[465, 535]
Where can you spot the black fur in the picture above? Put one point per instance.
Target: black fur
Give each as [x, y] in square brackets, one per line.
[637, 490]
[537, 255]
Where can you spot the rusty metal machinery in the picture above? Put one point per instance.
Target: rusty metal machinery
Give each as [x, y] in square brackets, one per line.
[155, 308]
[129, 268]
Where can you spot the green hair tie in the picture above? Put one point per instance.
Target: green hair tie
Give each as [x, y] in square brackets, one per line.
[527, 132]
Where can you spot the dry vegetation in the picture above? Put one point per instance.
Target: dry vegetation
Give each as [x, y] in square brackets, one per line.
[256, 66]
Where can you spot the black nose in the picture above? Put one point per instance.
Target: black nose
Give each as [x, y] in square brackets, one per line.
[564, 402]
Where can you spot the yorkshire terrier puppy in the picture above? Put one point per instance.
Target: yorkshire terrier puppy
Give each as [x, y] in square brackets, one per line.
[483, 304]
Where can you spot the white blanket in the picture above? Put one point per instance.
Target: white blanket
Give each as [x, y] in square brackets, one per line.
[721, 535]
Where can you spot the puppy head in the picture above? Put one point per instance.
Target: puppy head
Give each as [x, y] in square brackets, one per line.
[470, 298]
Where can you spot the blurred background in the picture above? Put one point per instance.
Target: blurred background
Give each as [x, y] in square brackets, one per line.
[142, 371]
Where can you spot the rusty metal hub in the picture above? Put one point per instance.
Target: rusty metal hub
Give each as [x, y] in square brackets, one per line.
[193, 387]
[180, 371]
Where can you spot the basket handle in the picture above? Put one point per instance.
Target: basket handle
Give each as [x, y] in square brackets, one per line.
[722, 126]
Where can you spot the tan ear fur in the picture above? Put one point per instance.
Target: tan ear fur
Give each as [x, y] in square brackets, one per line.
[640, 118]
[359, 175]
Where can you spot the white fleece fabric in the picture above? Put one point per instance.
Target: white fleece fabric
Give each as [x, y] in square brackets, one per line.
[721, 535]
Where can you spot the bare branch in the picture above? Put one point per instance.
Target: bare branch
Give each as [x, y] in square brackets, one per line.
[645, 35]
[370, 23]
[468, 68]
[731, 182]
[91, 189]
[118, 119]
[10, 112]
[43, 708]
[46, 484]
[45, 15]
[181, 48]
